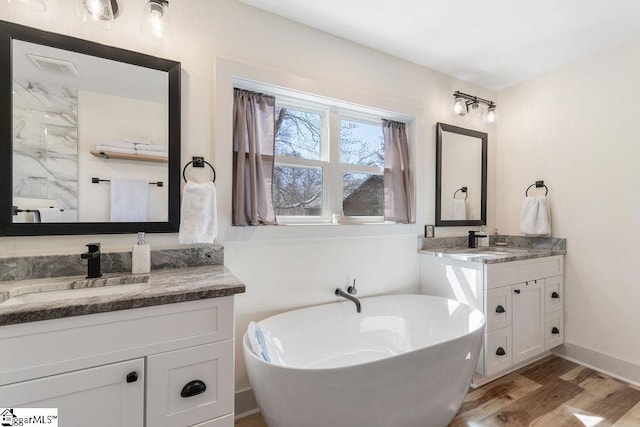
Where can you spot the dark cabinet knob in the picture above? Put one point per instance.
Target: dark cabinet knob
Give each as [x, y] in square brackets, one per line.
[500, 351]
[555, 295]
[517, 291]
[132, 377]
[555, 331]
[500, 309]
[193, 388]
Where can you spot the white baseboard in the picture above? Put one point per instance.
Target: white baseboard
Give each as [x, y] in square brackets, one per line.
[620, 369]
[245, 404]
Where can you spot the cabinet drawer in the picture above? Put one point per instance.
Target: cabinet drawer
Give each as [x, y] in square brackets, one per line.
[554, 294]
[497, 343]
[508, 273]
[169, 374]
[554, 329]
[498, 308]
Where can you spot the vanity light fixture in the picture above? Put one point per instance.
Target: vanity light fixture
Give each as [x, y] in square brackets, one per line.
[101, 13]
[155, 19]
[472, 107]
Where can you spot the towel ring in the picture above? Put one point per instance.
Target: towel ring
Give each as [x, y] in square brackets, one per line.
[537, 184]
[464, 190]
[198, 162]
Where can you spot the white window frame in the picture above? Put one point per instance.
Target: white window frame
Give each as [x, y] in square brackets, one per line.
[332, 168]
[322, 163]
[355, 116]
[329, 161]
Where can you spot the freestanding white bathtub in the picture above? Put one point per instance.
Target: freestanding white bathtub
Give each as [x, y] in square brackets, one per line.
[406, 360]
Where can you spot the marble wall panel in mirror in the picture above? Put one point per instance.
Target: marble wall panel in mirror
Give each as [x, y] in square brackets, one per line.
[94, 137]
[461, 176]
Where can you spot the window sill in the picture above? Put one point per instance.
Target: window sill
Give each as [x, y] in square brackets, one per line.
[317, 232]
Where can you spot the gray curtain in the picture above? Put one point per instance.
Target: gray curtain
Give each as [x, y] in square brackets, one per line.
[253, 142]
[398, 191]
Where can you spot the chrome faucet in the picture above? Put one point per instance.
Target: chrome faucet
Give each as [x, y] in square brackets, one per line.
[351, 291]
[93, 257]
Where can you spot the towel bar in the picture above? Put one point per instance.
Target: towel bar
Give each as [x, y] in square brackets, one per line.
[464, 190]
[16, 210]
[198, 162]
[538, 184]
[98, 180]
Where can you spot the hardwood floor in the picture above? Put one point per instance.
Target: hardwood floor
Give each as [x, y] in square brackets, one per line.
[551, 392]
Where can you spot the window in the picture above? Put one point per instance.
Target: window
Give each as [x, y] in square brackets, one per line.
[327, 161]
[362, 164]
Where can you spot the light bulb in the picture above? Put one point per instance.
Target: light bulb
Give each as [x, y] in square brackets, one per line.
[474, 111]
[101, 13]
[459, 106]
[492, 115]
[155, 21]
[95, 8]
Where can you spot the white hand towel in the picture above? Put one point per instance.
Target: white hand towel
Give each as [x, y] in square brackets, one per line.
[115, 149]
[198, 215]
[152, 147]
[535, 218]
[116, 143]
[459, 209]
[129, 200]
[49, 215]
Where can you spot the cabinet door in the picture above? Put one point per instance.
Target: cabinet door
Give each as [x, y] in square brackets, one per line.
[190, 386]
[105, 396]
[528, 319]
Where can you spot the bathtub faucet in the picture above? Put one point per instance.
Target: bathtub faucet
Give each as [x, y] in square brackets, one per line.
[340, 293]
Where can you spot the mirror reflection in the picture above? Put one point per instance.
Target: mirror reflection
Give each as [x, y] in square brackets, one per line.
[75, 119]
[91, 137]
[461, 176]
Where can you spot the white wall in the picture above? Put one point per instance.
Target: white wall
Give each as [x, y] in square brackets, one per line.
[576, 128]
[283, 268]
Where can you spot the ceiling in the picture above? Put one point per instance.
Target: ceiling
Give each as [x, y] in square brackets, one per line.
[492, 43]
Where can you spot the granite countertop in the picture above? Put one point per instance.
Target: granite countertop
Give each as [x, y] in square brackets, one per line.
[492, 254]
[125, 291]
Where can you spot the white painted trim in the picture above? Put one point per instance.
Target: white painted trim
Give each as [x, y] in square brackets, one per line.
[608, 365]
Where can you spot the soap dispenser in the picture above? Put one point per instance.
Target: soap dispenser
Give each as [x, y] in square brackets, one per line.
[483, 237]
[140, 256]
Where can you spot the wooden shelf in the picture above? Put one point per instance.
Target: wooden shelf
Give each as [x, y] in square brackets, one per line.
[126, 156]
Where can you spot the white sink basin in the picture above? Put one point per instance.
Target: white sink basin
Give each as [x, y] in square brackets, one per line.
[57, 291]
[485, 254]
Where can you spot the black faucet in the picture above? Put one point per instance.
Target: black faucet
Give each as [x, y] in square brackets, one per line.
[93, 257]
[340, 293]
[473, 242]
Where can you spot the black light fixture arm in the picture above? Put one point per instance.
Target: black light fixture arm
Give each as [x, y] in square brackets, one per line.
[473, 99]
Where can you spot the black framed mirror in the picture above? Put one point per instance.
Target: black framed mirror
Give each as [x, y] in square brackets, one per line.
[90, 137]
[461, 176]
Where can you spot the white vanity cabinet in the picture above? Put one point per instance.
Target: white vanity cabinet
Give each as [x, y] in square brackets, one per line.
[171, 365]
[522, 301]
[95, 396]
